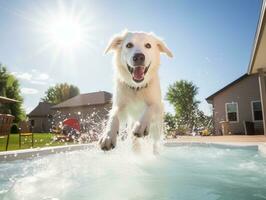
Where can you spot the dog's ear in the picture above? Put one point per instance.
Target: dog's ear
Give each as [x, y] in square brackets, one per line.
[163, 48]
[114, 43]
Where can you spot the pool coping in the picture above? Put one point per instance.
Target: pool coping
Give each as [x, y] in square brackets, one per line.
[37, 152]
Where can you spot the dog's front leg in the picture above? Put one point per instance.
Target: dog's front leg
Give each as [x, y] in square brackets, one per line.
[141, 127]
[156, 129]
[108, 140]
[151, 121]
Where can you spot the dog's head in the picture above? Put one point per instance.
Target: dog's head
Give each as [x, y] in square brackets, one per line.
[137, 55]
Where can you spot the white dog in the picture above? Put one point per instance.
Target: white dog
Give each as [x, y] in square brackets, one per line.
[137, 95]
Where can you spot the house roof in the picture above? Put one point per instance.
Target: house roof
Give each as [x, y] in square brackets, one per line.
[42, 110]
[210, 98]
[257, 59]
[94, 98]
[7, 100]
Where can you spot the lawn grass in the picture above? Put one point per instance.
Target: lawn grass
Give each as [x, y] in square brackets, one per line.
[40, 140]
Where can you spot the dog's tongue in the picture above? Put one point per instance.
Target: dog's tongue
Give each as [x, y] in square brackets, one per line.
[138, 73]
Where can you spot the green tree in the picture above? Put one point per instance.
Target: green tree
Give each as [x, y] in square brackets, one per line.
[170, 122]
[3, 79]
[60, 92]
[9, 87]
[182, 95]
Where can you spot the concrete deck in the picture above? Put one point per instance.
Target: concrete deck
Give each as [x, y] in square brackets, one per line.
[258, 139]
[253, 141]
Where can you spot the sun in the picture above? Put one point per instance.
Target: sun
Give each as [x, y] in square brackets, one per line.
[65, 32]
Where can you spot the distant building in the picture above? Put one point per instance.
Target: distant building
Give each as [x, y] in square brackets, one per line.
[91, 109]
[41, 117]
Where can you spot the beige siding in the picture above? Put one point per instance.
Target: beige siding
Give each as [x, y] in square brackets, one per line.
[262, 84]
[243, 93]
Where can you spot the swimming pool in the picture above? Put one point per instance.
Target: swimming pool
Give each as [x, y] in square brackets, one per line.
[183, 172]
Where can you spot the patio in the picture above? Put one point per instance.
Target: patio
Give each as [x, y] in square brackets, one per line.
[243, 139]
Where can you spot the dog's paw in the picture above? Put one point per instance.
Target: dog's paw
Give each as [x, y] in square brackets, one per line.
[140, 130]
[107, 142]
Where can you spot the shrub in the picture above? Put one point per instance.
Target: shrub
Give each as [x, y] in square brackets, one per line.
[14, 128]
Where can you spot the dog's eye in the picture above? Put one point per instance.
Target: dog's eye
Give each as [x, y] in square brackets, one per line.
[129, 45]
[148, 45]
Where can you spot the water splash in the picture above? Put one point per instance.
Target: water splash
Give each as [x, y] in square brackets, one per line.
[92, 125]
[185, 172]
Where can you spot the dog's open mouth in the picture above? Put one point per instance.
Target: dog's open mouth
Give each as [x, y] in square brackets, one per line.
[138, 72]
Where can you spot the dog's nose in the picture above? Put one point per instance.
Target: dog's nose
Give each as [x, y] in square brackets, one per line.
[138, 59]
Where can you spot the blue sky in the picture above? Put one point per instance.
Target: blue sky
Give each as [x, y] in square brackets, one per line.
[211, 41]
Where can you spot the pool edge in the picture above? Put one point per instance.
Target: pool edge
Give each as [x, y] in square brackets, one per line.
[37, 152]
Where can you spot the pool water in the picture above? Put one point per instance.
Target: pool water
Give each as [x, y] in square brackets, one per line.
[182, 172]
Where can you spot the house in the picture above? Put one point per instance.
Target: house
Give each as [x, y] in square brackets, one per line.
[245, 98]
[234, 104]
[91, 109]
[41, 117]
[257, 63]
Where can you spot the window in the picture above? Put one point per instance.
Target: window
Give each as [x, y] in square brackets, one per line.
[256, 110]
[231, 112]
[32, 122]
